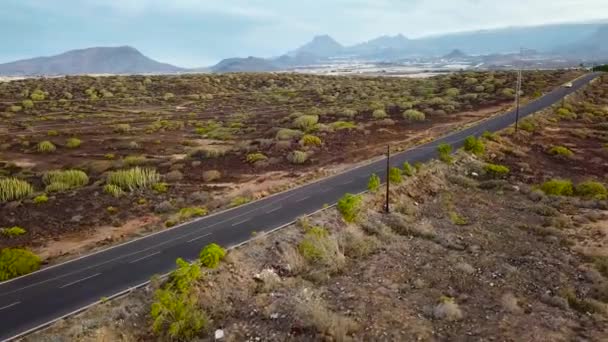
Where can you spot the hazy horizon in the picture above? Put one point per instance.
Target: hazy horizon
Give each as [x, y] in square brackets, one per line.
[193, 33]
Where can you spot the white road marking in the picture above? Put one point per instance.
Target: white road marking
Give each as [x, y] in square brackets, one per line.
[80, 280]
[198, 238]
[302, 199]
[144, 257]
[325, 189]
[243, 221]
[275, 209]
[8, 306]
[347, 182]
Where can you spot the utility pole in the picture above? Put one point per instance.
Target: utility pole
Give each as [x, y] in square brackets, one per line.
[388, 166]
[518, 91]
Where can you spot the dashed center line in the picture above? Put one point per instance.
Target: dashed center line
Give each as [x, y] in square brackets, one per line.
[144, 257]
[80, 280]
[198, 238]
[10, 305]
[347, 182]
[325, 189]
[243, 221]
[275, 209]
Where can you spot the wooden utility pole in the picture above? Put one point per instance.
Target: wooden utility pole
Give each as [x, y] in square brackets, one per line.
[388, 166]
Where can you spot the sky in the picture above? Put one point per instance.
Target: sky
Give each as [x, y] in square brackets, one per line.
[194, 33]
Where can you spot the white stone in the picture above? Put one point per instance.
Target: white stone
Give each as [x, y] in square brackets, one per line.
[219, 334]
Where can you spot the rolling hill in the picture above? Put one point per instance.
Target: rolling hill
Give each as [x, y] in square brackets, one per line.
[96, 60]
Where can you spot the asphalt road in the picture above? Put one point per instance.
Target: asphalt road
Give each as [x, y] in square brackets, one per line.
[36, 299]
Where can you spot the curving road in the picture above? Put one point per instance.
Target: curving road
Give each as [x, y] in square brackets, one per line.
[32, 301]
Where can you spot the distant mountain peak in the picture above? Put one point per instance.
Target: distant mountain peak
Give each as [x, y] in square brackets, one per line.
[321, 45]
[455, 54]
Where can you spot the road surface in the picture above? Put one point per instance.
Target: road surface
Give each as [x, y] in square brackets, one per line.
[31, 301]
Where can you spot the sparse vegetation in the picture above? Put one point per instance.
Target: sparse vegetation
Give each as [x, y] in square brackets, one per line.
[474, 146]
[414, 115]
[445, 151]
[374, 183]
[395, 175]
[63, 180]
[15, 262]
[558, 187]
[495, 170]
[297, 157]
[12, 231]
[561, 151]
[14, 189]
[133, 179]
[592, 190]
[73, 143]
[211, 255]
[46, 147]
[349, 206]
[408, 170]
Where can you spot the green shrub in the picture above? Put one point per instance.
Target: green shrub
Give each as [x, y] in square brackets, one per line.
[379, 114]
[288, 134]
[38, 95]
[496, 170]
[15, 108]
[168, 96]
[255, 157]
[133, 179]
[561, 151]
[306, 122]
[176, 316]
[566, 114]
[527, 125]
[558, 187]
[239, 200]
[27, 104]
[414, 115]
[474, 146]
[12, 189]
[444, 151]
[113, 190]
[490, 136]
[160, 187]
[12, 231]
[73, 143]
[46, 147]
[52, 133]
[374, 183]
[122, 128]
[134, 160]
[311, 247]
[349, 206]
[297, 157]
[408, 170]
[41, 199]
[62, 180]
[340, 125]
[456, 219]
[190, 212]
[211, 255]
[395, 175]
[592, 190]
[310, 140]
[15, 262]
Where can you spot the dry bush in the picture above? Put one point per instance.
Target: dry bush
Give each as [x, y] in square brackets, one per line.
[356, 244]
[401, 225]
[295, 262]
[315, 313]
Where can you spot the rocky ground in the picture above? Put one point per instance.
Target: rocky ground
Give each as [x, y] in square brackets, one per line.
[466, 254]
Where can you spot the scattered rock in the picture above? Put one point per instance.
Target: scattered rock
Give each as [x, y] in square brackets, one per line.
[164, 207]
[219, 334]
[447, 310]
[464, 267]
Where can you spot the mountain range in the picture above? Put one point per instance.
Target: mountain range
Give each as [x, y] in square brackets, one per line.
[582, 41]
